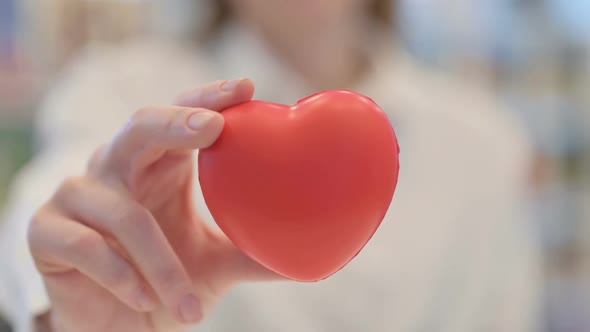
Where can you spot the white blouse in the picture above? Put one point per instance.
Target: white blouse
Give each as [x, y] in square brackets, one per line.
[454, 253]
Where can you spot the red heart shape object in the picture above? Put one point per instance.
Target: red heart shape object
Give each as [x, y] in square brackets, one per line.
[301, 189]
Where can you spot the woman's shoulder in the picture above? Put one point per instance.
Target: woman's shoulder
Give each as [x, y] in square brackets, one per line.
[464, 122]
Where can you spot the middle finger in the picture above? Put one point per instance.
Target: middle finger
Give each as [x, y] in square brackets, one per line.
[135, 229]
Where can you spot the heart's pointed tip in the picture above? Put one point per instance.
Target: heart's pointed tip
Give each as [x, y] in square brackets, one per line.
[307, 280]
[288, 273]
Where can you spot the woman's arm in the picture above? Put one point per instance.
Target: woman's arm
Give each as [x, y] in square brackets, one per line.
[25, 295]
[78, 114]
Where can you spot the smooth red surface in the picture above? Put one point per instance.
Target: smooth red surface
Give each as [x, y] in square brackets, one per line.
[301, 189]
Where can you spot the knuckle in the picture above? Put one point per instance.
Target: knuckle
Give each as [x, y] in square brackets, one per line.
[140, 129]
[169, 278]
[35, 226]
[86, 242]
[140, 117]
[38, 216]
[131, 216]
[171, 123]
[122, 278]
[142, 113]
[95, 159]
[70, 186]
[216, 87]
[153, 118]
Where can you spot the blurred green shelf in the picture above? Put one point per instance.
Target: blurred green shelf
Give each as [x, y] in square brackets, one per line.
[16, 148]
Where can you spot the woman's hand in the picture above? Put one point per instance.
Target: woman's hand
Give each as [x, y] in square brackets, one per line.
[122, 248]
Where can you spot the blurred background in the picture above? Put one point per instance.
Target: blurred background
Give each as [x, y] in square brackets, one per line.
[533, 54]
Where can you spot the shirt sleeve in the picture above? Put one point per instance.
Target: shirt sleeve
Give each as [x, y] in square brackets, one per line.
[22, 294]
[78, 115]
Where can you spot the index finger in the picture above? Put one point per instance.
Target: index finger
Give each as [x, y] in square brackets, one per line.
[218, 95]
[191, 125]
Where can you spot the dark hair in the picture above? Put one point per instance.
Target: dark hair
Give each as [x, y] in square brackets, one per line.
[382, 10]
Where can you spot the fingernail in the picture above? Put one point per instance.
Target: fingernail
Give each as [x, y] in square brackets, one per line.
[230, 85]
[190, 309]
[199, 120]
[143, 300]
